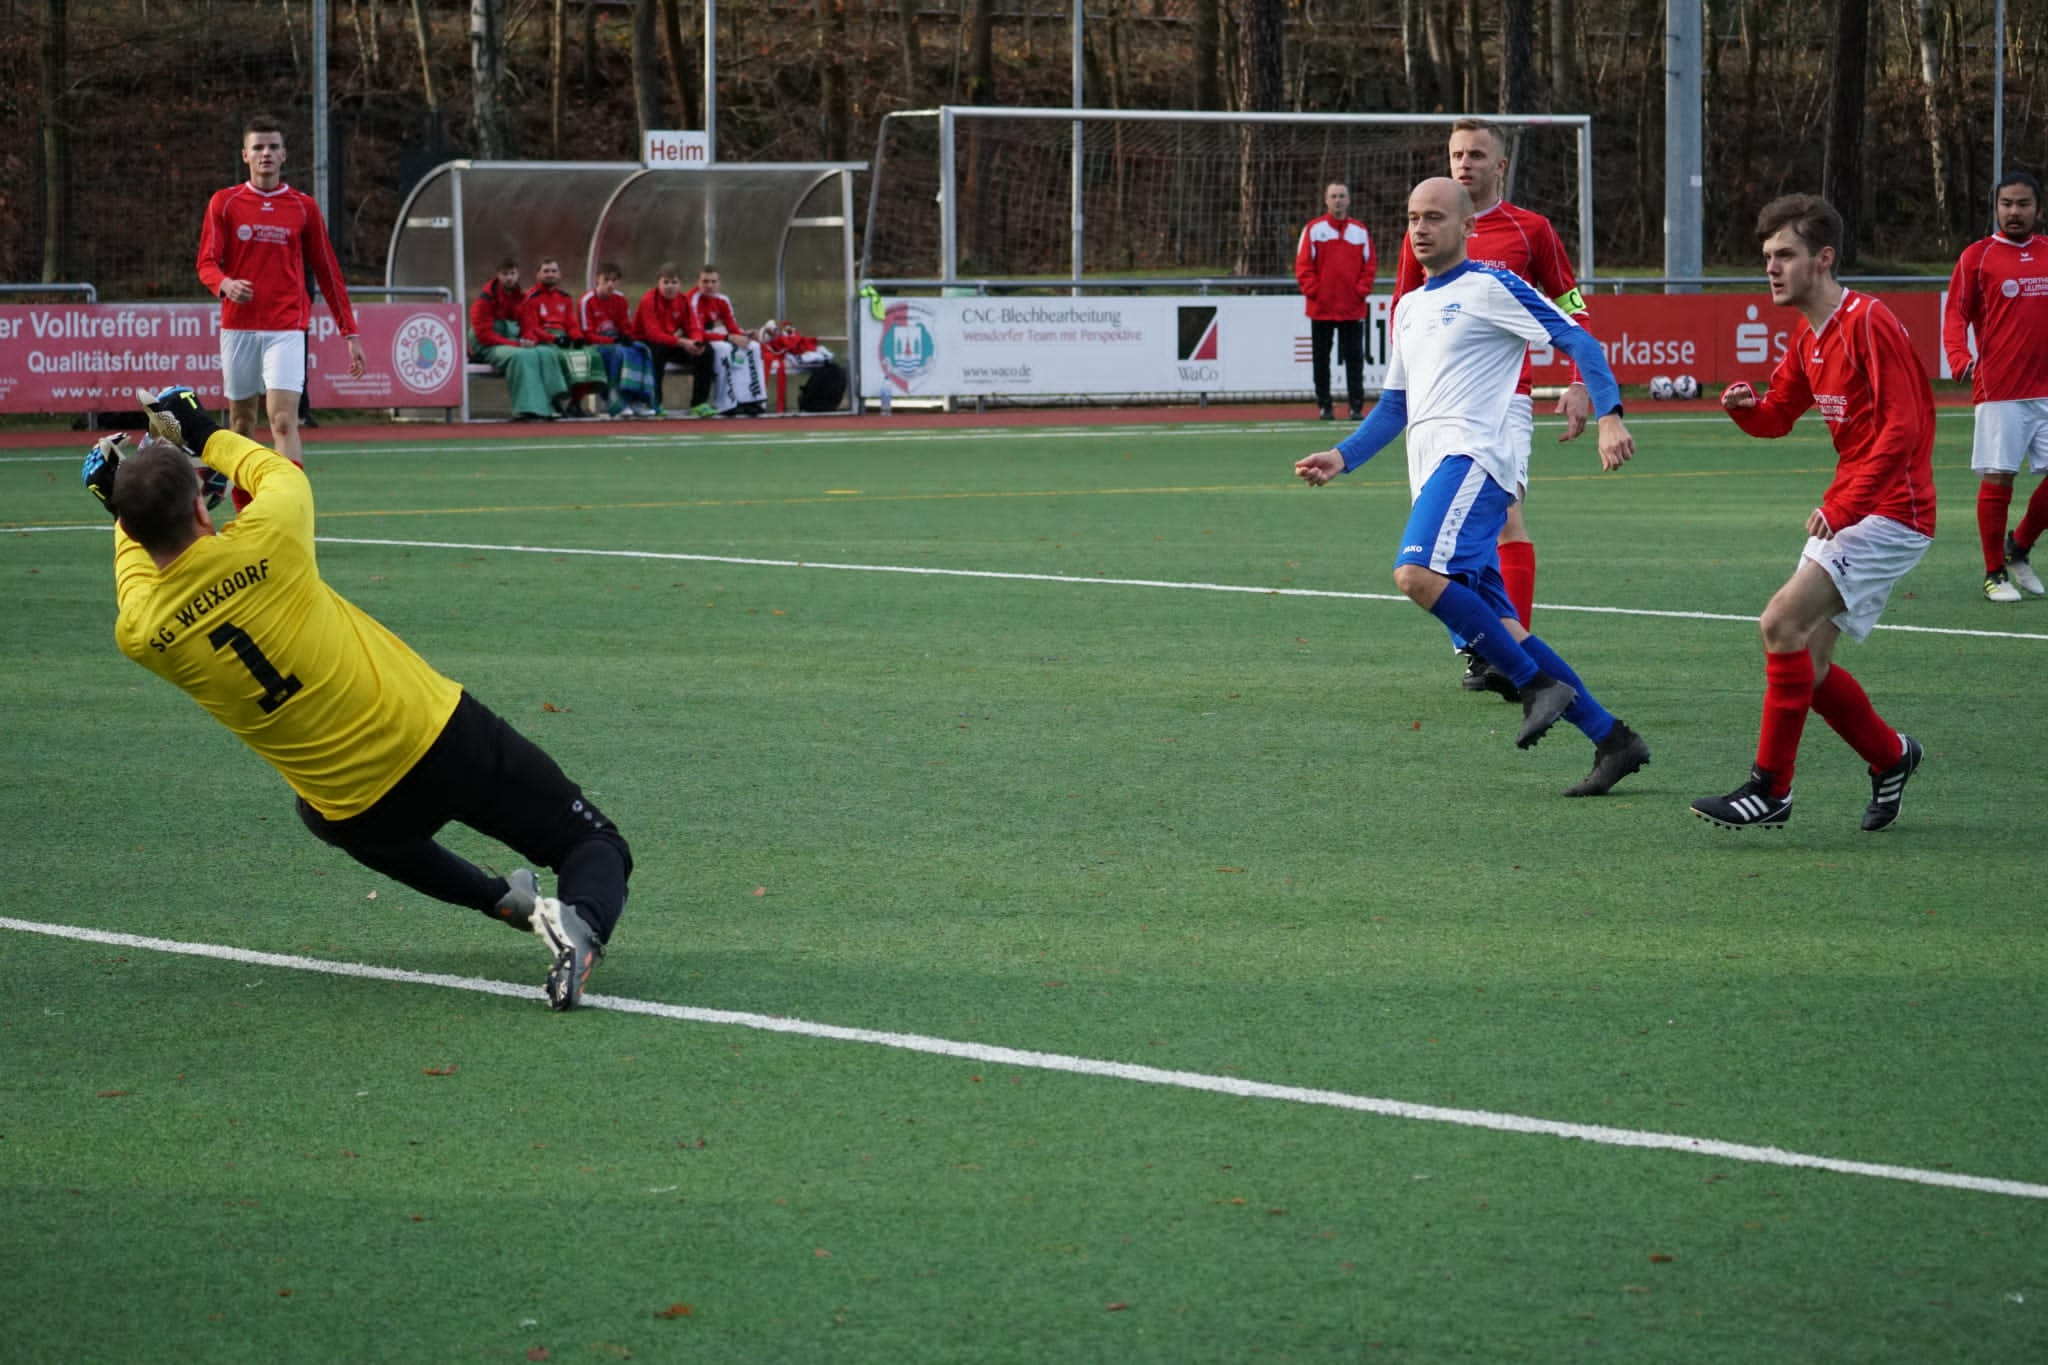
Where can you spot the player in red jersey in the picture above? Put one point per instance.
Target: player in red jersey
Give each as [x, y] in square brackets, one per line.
[607, 319]
[255, 247]
[1509, 237]
[2000, 288]
[738, 388]
[1850, 358]
[662, 324]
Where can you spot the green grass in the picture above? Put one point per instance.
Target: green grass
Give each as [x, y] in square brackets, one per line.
[1247, 835]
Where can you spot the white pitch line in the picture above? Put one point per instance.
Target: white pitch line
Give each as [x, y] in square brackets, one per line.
[1233, 1086]
[1083, 580]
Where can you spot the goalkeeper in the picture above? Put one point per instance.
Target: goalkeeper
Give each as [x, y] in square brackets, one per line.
[381, 749]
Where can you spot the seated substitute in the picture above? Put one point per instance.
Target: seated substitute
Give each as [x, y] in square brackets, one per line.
[607, 320]
[534, 375]
[380, 748]
[736, 385]
[661, 323]
[548, 315]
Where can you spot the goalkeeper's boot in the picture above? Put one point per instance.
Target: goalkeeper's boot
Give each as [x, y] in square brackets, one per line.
[1615, 757]
[516, 906]
[576, 948]
[1888, 788]
[1749, 806]
[1544, 700]
[176, 414]
[2018, 569]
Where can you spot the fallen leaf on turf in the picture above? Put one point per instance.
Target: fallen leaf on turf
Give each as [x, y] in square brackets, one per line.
[550, 706]
[1230, 869]
[111, 1094]
[674, 1310]
[1114, 1307]
[537, 1353]
[760, 890]
[372, 896]
[821, 1253]
[448, 1070]
[1659, 1258]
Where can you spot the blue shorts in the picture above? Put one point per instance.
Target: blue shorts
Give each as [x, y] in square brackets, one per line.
[1453, 527]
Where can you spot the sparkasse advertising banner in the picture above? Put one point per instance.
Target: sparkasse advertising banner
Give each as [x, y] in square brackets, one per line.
[78, 357]
[934, 347]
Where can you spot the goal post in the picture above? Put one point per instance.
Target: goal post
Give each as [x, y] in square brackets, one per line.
[989, 193]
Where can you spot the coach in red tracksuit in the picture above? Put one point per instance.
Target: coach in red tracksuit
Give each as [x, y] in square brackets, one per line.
[1334, 266]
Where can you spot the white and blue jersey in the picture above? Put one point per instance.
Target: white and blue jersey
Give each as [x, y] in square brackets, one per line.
[1457, 349]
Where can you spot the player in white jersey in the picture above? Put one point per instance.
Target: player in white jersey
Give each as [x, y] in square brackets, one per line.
[1457, 349]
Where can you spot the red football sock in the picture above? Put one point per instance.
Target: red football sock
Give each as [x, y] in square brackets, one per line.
[1840, 701]
[241, 499]
[1518, 574]
[1788, 694]
[2036, 519]
[1994, 502]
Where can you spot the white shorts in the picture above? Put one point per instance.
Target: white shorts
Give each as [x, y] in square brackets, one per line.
[736, 376]
[1866, 561]
[252, 363]
[2008, 433]
[1521, 436]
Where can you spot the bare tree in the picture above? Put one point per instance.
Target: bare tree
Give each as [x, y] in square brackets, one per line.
[1517, 56]
[1841, 173]
[913, 45]
[558, 43]
[487, 62]
[1474, 93]
[1564, 54]
[834, 104]
[646, 67]
[1928, 26]
[419, 29]
[1418, 67]
[1260, 78]
[56, 75]
[682, 64]
[1208, 64]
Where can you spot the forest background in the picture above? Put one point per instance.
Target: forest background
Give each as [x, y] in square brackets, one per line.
[118, 118]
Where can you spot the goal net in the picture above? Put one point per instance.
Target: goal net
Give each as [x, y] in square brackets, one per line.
[983, 193]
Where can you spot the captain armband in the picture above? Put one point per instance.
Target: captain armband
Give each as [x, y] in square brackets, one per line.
[1572, 302]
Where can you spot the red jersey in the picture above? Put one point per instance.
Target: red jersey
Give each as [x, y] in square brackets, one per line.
[548, 314]
[495, 305]
[2000, 287]
[1863, 374]
[1520, 241]
[269, 238]
[711, 316]
[663, 322]
[605, 318]
[1335, 267]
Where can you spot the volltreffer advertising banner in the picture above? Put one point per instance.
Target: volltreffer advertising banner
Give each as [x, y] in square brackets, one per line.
[1021, 347]
[80, 357]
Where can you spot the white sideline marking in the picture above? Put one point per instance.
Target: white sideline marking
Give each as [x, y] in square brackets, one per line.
[1077, 580]
[1079, 1066]
[1091, 581]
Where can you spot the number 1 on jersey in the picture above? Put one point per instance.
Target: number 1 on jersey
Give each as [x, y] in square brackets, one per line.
[277, 688]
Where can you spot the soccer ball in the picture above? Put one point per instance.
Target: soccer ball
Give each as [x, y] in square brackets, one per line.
[1685, 386]
[1661, 387]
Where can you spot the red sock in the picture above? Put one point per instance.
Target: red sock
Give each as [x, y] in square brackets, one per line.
[1840, 701]
[1788, 694]
[241, 499]
[2034, 522]
[1994, 502]
[1518, 574]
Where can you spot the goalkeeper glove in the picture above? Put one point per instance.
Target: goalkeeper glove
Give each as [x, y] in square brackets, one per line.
[175, 415]
[101, 463]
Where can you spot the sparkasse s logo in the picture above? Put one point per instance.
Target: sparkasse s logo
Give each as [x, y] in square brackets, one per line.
[1199, 352]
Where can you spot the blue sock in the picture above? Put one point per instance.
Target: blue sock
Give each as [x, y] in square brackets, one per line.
[1466, 615]
[1590, 716]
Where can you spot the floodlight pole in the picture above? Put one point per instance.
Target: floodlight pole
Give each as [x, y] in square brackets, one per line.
[320, 152]
[1684, 167]
[711, 80]
[1079, 14]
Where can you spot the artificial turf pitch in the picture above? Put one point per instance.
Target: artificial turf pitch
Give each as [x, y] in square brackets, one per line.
[1104, 745]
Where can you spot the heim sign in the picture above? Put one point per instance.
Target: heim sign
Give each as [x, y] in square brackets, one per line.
[674, 149]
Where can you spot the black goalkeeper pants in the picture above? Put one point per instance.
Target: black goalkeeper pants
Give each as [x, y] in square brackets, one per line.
[483, 773]
[1350, 338]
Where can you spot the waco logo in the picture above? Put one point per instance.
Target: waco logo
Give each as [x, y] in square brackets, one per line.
[907, 348]
[423, 353]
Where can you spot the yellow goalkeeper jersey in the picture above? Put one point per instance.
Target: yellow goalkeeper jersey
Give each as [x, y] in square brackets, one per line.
[242, 621]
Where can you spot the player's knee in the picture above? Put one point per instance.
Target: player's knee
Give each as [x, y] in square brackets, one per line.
[2000, 477]
[1414, 581]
